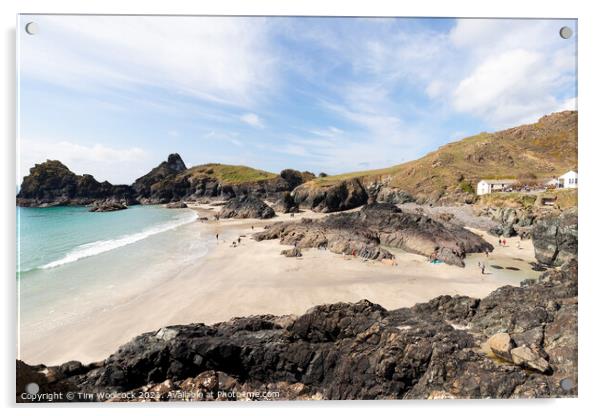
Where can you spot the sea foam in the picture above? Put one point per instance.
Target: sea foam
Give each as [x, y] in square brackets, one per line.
[102, 246]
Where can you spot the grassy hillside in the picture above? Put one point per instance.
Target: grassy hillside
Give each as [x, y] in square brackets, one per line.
[229, 174]
[534, 151]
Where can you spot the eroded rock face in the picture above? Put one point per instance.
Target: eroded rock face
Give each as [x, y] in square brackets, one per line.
[340, 197]
[246, 207]
[169, 168]
[364, 232]
[51, 183]
[555, 238]
[356, 351]
[286, 204]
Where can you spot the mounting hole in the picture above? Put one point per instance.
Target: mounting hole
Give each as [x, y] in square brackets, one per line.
[566, 32]
[567, 384]
[32, 388]
[31, 28]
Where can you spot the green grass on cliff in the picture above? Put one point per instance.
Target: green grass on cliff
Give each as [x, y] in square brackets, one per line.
[231, 174]
[536, 151]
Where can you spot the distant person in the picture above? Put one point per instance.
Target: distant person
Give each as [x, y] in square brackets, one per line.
[499, 242]
[238, 240]
[217, 237]
[252, 227]
[504, 242]
[486, 253]
[518, 244]
[483, 268]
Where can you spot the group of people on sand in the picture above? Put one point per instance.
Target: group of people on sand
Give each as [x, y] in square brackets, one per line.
[502, 243]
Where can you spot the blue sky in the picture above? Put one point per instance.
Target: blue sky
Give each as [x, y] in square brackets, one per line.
[114, 95]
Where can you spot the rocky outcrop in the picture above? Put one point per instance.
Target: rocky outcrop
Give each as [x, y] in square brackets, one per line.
[107, 206]
[340, 197]
[286, 204]
[363, 233]
[360, 350]
[246, 207]
[555, 238]
[167, 169]
[51, 183]
[511, 221]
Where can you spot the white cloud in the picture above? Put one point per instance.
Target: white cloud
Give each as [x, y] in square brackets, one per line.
[101, 161]
[220, 59]
[252, 120]
[514, 87]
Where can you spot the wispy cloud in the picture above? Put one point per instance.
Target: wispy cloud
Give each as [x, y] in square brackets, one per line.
[252, 120]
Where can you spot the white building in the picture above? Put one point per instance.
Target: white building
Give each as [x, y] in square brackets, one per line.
[487, 186]
[568, 180]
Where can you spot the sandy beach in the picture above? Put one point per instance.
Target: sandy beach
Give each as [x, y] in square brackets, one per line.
[253, 278]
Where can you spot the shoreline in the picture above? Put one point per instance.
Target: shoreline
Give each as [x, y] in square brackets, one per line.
[254, 278]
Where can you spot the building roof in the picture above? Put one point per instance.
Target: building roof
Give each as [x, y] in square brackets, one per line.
[499, 181]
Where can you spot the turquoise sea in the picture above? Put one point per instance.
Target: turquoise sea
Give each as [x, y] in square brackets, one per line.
[69, 259]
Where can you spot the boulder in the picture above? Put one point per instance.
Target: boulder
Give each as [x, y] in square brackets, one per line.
[341, 196]
[246, 207]
[107, 206]
[501, 344]
[291, 252]
[526, 357]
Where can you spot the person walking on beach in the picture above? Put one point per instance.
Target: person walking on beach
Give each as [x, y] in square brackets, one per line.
[486, 253]
[217, 236]
[238, 240]
[504, 242]
[499, 242]
[483, 268]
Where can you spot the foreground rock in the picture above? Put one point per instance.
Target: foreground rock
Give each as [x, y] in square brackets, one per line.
[555, 238]
[353, 351]
[246, 207]
[107, 206]
[363, 233]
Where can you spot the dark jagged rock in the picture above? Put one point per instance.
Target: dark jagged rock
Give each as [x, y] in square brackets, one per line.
[340, 197]
[511, 221]
[246, 207]
[51, 184]
[176, 205]
[107, 206]
[146, 186]
[353, 351]
[295, 178]
[286, 204]
[555, 238]
[362, 233]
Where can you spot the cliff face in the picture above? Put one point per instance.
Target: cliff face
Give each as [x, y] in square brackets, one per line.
[434, 350]
[52, 183]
